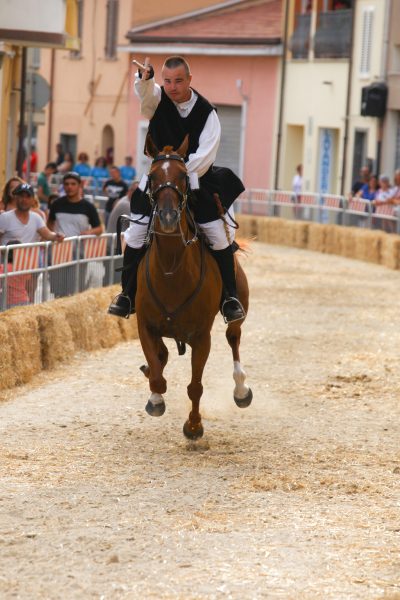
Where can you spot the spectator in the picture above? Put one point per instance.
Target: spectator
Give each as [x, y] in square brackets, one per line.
[43, 187]
[8, 199]
[72, 216]
[121, 207]
[32, 163]
[100, 173]
[52, 197]
[395, 193]
[365, 173]
[59, 154]
[66, 164]
[385, 191]
[82, 166]
[22, 223]
[370, 189]
[114, 188]
[128, 171]
[297, 186]
[17, 293]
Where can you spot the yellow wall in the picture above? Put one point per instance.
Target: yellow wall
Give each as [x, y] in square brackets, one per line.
[315, 98]
[9, 80]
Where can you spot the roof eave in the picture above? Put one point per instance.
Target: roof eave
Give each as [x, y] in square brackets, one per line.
[203, 49]
[150, 39]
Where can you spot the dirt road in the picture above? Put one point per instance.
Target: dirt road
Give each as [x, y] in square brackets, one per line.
[295, 497]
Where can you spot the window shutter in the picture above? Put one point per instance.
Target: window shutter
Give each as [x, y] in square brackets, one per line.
[366, 41]
[111, 28]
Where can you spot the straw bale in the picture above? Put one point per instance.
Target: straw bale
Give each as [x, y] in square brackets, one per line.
[333, 239]
[368, 245]
[248, 226]
[23, 344]
[299, 233]
[109, 331]
[55, 335]
[7, 373]
[81, 316]
[390, 251]
[317, 237]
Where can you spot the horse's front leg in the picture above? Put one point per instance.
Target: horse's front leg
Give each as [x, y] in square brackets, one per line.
[193, 429]
[151, 344]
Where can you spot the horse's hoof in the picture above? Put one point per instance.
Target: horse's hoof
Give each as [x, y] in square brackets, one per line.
[193, 433]
[155, 410]
[244, 402]
[145, 370]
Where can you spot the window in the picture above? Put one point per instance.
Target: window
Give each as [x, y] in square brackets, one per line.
[397, 149]
[366, 41]
[78, 53]
[111, 29]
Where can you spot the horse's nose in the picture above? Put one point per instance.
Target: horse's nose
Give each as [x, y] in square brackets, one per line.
[169, 216]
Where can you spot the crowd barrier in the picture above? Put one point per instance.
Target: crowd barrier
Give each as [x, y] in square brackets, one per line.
[320, 208]
[37, 272]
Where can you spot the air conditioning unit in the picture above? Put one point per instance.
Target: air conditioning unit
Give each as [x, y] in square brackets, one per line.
[374, 99]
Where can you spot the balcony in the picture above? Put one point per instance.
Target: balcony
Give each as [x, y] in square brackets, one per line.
[333, 34]
[300, 40]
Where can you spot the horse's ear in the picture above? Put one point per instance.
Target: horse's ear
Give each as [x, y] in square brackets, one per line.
[183, 148]
[149, 147]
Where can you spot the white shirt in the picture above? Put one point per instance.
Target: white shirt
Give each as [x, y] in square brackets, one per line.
[149, 93]
[11, 228]
[297, 184]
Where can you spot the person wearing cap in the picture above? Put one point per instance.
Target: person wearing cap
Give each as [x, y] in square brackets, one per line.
[22, 223]
[72, 216]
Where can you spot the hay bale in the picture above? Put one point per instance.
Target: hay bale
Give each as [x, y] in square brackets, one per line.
[390, 251]
[23, 344]
[368, 245]
[55, 335]
[317, 237]
[299, 233]
[333, 240]
[81, 317]
[7, 372]
[109, 330]
[248, 226]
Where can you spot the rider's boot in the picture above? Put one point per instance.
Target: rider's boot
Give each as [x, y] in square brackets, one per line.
[124, 304]
[231, 308]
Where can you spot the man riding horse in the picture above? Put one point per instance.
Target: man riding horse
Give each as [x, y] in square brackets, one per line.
[176, 110]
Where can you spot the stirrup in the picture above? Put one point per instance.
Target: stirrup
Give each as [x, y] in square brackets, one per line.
[237, 312]
[121, 306]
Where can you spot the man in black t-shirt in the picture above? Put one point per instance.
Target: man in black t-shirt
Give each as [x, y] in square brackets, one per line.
[73, 216]
[115, 188]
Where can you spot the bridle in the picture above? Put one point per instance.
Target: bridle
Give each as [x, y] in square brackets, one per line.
[182, 204]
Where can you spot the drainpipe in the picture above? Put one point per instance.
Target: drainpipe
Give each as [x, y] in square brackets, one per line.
[281, 96]
[51, 106]
[348, 99]
[21, 127]
[243, 126]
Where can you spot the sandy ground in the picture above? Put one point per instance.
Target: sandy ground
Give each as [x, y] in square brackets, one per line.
[295, 497]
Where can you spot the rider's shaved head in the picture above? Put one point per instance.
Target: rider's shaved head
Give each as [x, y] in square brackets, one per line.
[177, 61]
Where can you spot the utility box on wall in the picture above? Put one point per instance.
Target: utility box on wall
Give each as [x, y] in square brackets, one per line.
[373, 100]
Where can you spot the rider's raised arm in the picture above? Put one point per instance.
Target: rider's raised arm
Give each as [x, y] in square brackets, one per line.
[149, 94]
[200, 161]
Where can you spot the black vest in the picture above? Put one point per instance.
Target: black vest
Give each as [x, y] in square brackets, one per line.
[168, 128]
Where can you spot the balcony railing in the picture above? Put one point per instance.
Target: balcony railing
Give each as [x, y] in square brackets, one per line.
[300, 40]
[333, 34]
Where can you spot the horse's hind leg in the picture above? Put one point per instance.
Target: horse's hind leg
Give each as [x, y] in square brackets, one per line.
[193, 428]
[242, 394]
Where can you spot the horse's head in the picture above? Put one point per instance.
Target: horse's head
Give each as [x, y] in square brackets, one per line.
[168, 183]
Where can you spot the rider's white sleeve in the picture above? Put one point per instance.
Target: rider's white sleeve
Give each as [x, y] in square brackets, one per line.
[149, 94]
[200, 161]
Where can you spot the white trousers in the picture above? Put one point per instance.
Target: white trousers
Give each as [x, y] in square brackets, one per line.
[135, 235]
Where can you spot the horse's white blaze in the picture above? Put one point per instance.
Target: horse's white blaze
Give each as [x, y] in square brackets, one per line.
[241, 389]
[156, 399]
[165, 166]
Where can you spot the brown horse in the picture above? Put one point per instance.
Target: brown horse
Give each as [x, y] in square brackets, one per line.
[179, 289]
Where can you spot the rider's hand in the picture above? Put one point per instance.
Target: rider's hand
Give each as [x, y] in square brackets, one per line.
[148, 71]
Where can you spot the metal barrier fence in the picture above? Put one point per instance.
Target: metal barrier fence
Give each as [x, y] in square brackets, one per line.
[320, 208]
[37, 272]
